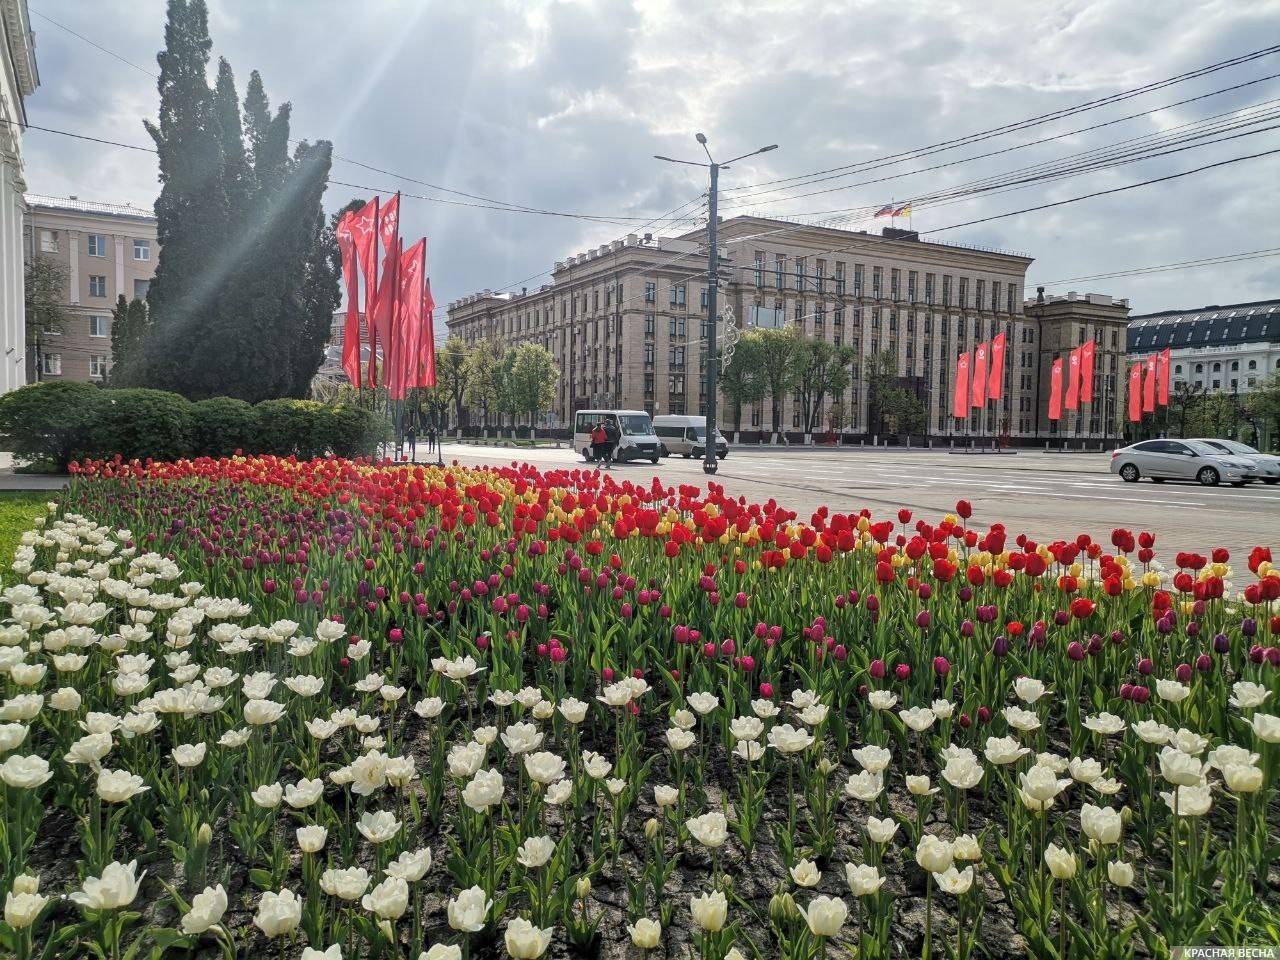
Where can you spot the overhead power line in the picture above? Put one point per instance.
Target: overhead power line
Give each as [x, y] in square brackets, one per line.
[1032, 121]
[1168, 267]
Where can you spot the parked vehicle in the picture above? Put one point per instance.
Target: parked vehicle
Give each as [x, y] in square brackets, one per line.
[1266, 466]
[636, 440]
[686, 436]
[1163, 460]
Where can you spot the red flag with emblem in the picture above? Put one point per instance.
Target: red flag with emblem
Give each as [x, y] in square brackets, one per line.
[1055, 390]
[426, 376]
[1135, 392]
[978, 395]
[1073, 379]
[995, 381]
[384, 310]
[1163, 359]
[402, 372]
[1149, 386]
[960, 404]
[363, 225]
[1087, 354]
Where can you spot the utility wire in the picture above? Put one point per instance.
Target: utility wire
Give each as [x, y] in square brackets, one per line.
[1167, 267]
[1033, 121]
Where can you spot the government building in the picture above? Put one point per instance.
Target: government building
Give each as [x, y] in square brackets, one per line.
[627, 325]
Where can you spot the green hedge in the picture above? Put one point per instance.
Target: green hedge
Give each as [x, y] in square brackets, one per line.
[56, 422]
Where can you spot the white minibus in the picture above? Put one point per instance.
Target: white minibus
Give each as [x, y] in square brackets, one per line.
[687, 436]
[635, 433]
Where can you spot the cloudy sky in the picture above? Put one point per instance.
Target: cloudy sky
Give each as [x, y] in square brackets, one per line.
[560, 106]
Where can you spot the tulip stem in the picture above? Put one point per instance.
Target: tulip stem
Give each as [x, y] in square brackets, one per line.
[928, 916]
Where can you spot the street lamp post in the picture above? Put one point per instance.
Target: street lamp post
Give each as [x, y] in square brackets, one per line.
[710, 463]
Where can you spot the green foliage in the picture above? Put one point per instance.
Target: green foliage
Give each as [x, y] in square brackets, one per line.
[18, 508]
[129, 325]
[532, 380]
[777, 356]
[483, 378]
[45, 289]
[223, 425]
[141, 424]
[741, 380]
[53, 421]
[60, 421]
[821, 368]
[451, 373]
[247, 265]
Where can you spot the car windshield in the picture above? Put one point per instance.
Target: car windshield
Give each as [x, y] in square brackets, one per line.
[1237, 447]
[635, 424]
[1203, 448]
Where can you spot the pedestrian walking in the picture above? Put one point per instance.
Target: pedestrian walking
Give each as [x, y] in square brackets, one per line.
[599, 442]
[431, 440]
[612, 437]
[413, 442]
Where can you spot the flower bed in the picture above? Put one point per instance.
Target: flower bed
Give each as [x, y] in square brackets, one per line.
[261, 707]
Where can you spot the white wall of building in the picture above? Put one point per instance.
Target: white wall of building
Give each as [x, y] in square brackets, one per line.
[18, 80]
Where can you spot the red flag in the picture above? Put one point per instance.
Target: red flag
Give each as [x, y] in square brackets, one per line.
[1087, 353]
[1135, 392]
[995, 382]
[979, 396]
[1073, 379]
[1149, 386]
[351, 277]
[363, 225]
[427, 351]
[401, 375]
[384, 309]
[1055, 390]
[960, 405]
[1162, 376]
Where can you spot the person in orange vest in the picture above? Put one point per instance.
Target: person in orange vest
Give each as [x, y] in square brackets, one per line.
[599, 443]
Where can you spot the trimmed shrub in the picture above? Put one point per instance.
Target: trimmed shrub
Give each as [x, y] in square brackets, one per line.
[55, 421]
[289, 428]
[223, 425]
[138, 423]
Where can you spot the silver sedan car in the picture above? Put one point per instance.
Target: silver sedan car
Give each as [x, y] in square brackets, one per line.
[1163, 460]
[1266, 466]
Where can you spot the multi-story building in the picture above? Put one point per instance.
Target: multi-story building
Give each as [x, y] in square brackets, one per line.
[104, 250]
[1058, 325]
[627, 321]
[18, 80]
[1218, 349]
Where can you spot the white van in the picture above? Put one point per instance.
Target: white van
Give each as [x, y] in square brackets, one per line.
[636, 440]
[687, 436]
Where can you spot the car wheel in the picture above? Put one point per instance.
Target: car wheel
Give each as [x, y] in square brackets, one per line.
[1129, 473]
[1238, 483]
[1157, 479]
[663, 451]
[725, 455]
[1208, 477]
[653, 460]
[1272, 482]
[688, 455]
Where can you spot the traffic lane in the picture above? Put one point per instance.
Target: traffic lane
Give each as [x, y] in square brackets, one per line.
[1184, 517]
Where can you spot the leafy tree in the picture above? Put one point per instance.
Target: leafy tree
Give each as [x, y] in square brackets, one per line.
[246, 264]
[741, 380]
[129, 325]
[1262, 407]
[882, 378]
[451, 374]
[482, 379]
[533, 379]
[901, 411]
[778, 349]
[821, 367]
[1183, 400]
[44, 289]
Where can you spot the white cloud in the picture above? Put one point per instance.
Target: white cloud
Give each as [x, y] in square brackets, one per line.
[561, 105]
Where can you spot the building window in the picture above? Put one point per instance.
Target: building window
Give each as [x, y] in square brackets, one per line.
[840, 279]
[995, 296]
[964, 292]
[142, 249]
[97, 366]
[650, 291]
[979, 289]
[1011, 294]
[649, 324]
[48, 241]
[97, 285]
[895, 280]
[51, 364]
[877, 282]
[911, 286]
[857, 279]
[704, 298]
[821, 276]
[928, 288]
[98, 327]
[946, 290]
[1253, 364]
[648, 354]
[759, 268]
[97, 245]
[677, 295]
[799, 273]
[779, 271]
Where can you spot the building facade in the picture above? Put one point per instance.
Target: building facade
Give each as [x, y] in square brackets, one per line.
[1060, 324]
[1216, 349]
[627, 321]
[18, 80]
[104, 250]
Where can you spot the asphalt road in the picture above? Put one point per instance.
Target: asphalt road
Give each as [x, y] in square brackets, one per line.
[1048, 496]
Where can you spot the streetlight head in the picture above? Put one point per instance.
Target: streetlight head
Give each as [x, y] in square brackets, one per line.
[772, 146]
[701, 138]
